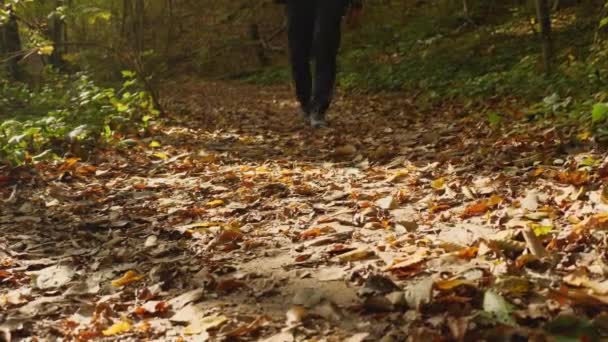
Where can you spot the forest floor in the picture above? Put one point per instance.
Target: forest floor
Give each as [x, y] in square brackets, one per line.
[235, 221]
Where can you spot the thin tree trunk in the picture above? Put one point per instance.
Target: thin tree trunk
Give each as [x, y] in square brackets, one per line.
[57, 35]
[10, 44]
[138, 25]
[254, 35]
[543, 14]
[170, 23]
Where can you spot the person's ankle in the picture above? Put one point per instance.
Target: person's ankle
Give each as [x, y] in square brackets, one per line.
[317, 120]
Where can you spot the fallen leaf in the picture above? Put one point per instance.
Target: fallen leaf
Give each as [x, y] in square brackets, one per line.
[295, 315]
[118, 328]
[186, 298]
[160, 155]
[534, 244]
[316, 232]
[345, 150]
[481, 207]
[387, 203]
[128, 278]
[356, 255]
[201, 325]
[438, 183]
[448, 285]
[581, 279]
[577, 178]
[248, 329]
[215, 203]
[419, 293]
[414, 260]
[530, 202]
[54, 276]
[498, 307]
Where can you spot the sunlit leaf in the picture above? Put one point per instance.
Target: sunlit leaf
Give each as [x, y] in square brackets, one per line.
[118, 328]
[128, 278]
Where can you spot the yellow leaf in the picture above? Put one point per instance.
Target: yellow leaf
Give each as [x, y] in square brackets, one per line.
[494, 201]
[262, 169]
[215, 204]
[540, 230]
[154, 143]
[46, 50]
[438, 183]
[127, 278]
[584, 136]
[117, 329]
[398, 176]
[161, 155]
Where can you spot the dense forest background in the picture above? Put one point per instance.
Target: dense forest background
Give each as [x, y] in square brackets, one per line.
[549, 56]
[158, 183]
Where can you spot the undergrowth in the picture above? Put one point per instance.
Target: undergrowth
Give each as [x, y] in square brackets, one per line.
[68, 113]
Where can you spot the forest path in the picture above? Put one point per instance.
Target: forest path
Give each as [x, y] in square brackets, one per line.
[235, 221]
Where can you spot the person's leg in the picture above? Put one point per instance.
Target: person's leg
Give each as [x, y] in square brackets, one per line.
[300, 31]
[326, 45]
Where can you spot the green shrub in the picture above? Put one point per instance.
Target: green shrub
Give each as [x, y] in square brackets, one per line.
[67, 111]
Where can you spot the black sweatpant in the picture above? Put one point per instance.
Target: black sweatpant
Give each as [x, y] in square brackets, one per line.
[314, 30]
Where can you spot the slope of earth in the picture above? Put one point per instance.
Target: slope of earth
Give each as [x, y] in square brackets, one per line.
[236, 222]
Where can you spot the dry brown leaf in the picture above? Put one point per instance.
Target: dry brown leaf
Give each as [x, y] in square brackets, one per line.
[356, 255]
[248, 329]
[412, 261]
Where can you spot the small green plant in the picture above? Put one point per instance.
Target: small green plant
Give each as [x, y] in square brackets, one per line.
[67, 111]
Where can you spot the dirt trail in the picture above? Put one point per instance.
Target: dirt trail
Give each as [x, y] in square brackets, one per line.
[238, 222]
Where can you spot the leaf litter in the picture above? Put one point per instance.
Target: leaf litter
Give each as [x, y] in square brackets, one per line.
[233, 221]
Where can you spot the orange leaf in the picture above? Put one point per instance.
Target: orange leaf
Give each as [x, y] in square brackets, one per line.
[316, 232]
[476, 209]
[574, 178]
[467, 253]
[69, 164]
[482, 207]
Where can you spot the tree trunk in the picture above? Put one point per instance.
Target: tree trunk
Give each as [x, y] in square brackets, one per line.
[543, 14]
[138, 25]
[10, 44]
[57, 36]
[254, 35]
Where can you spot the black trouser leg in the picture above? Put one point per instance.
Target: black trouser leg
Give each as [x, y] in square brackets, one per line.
[300, 31]
[327, 36]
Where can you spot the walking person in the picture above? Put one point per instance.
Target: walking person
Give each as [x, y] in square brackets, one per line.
[314, 34]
